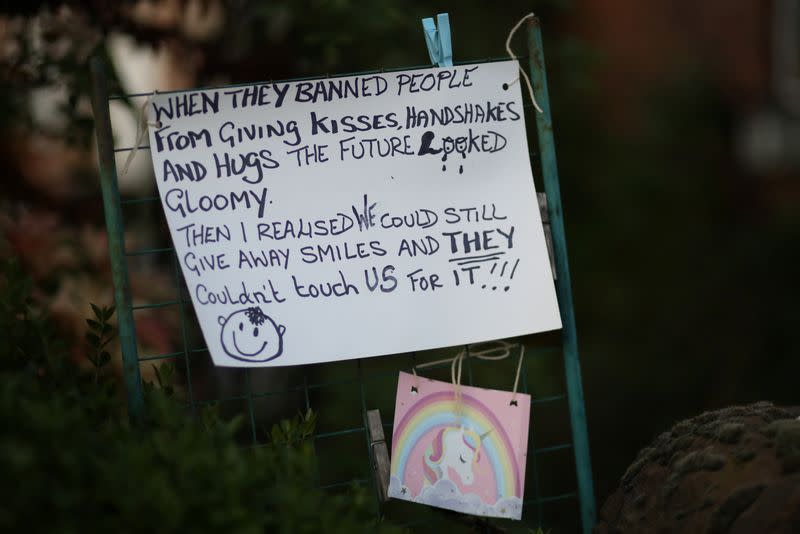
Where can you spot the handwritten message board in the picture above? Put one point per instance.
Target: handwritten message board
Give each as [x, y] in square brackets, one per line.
[349, 217]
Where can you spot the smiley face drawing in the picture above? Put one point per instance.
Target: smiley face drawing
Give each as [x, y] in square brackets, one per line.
[250, 335]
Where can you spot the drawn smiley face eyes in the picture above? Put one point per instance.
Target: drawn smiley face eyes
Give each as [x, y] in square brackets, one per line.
[241, 329]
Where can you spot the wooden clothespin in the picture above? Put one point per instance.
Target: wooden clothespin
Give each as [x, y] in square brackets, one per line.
[380, 454]
[438, 40]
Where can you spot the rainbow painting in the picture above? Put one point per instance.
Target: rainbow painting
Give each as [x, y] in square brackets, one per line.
[468, 457]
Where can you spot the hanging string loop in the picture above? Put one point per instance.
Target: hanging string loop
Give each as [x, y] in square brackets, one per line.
[514, 56]
[492, 350]
[141, 132]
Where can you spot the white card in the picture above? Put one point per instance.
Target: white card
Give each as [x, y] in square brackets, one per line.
[349, 217]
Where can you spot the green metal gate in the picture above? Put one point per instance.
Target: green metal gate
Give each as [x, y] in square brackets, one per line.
[355, 387]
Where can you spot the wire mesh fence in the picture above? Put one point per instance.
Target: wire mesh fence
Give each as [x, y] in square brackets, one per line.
[341, 393]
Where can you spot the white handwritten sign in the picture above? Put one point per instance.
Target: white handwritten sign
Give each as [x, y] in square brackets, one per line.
[348, 217]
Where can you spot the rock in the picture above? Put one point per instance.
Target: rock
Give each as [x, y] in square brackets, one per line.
[705, 460]
[730, 432]
[734, 471]
[743, 454]
[730, 510]
[787, 444]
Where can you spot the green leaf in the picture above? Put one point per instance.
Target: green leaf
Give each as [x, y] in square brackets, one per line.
[93, 339]
[97, 312]
[158, 376]
[210, 416]
[109, 312]
[94, 325]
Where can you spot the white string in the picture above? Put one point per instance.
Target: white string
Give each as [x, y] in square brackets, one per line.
[141, 132]
[455, 375]
[513, 56]
[519, 369]
[497, 350]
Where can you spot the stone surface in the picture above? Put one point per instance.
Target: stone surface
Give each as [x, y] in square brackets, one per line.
[731, 471]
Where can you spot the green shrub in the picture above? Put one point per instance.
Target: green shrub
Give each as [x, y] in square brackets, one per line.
[71, 461]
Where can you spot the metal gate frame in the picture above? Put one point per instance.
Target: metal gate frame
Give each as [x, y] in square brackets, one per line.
[112, 203]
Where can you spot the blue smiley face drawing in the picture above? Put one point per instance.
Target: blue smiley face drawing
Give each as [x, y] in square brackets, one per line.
[250, 335]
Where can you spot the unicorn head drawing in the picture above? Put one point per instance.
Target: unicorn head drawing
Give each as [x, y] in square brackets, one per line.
[453, 448]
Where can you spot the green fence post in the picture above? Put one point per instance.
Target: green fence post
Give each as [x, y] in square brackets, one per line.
[572, 367]
[116, 239]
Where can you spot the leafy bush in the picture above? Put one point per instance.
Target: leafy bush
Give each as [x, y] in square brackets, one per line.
[71, 461]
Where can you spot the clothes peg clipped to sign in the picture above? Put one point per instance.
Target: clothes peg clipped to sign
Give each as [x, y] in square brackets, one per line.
[438, 40]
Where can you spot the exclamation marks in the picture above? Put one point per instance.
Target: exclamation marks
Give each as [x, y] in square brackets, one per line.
[504, 273]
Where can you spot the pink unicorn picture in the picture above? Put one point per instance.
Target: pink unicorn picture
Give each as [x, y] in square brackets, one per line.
[465, 453]
[452, 448]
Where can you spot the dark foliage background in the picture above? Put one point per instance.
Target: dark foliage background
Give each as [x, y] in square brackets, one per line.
[73, 463]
